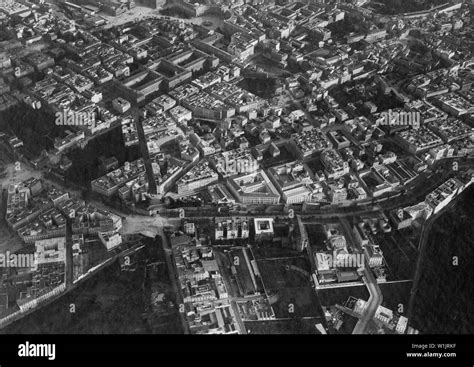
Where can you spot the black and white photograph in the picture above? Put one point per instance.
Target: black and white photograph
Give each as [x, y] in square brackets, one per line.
[213, 179]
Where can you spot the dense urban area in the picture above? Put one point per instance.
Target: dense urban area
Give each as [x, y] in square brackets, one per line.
[236, 167]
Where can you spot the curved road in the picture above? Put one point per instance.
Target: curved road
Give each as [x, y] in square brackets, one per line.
[376, 298]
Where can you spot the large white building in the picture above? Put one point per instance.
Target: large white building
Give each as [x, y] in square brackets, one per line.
[110, 240]
[295, 182]
[253, 188]
[50, 250]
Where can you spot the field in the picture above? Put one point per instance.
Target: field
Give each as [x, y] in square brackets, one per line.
[444, 301]
[287, 282]
[396, 296]
[330, 297]
[297, 302]
[400, 250]
[284, 273]
[316, 236]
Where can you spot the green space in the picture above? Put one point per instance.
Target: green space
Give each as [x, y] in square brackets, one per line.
[444, 300]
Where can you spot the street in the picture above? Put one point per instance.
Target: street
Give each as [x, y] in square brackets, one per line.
[375, 298]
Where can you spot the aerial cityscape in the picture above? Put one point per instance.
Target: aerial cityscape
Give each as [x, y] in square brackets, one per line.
[236, 167]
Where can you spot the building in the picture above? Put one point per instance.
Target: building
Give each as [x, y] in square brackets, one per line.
[110, 240]
[295, 182]
[253, 188]
[50, 250]
[400, 218]
[231, 228]
[180, 114]
[417, 140]
[219, 194]
[446, 192]
[198, 177]
[121, 105]
[334, 166]
[109, 184]
[263, 228]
